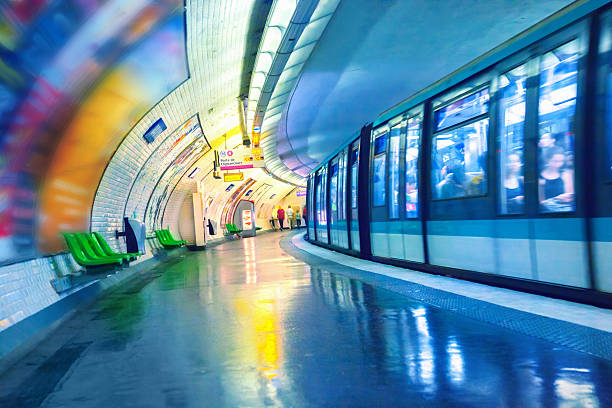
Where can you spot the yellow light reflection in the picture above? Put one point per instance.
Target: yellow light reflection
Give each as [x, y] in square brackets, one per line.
[263, 318]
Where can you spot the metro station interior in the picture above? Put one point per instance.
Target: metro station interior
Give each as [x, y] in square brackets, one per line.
[305, 203]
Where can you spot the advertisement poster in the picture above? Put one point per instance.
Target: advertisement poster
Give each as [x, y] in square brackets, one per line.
[247, 219]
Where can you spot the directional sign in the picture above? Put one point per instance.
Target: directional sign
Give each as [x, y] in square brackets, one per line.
[233, 177]
[235, 159]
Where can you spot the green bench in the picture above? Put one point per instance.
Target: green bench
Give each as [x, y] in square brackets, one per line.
[167, 240]
[84, 256]
[92, 251]
[105, 249]
[232, 229]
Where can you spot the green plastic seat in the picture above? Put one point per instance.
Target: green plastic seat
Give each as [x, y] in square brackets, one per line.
[81, 257]
[171, 239]
[232, 229]
[108, 251]
[163, 239]
[89, 251]
[97, 248]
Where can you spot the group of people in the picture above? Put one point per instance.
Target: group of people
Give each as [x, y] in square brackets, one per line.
[292, 215]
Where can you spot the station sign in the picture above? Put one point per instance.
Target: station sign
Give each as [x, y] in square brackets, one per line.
[228, 177]
[300, 193]
[235, 159]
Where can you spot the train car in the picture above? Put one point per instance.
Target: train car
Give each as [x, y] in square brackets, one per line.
[500, 173]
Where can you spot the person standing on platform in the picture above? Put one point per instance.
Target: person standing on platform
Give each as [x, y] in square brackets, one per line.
[281, 217]
[290, 217]
[274, 218]
[305, 216]
[298, 220]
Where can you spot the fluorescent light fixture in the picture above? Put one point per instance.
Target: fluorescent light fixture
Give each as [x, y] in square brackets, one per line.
[193, 172]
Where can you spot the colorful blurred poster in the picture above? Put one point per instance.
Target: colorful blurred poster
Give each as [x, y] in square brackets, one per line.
[147, 74]
[75, 76]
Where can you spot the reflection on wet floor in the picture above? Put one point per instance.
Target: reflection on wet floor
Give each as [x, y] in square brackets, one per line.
[245, 324]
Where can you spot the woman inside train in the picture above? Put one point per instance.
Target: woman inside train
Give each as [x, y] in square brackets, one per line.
[556, 188]
[513, 184]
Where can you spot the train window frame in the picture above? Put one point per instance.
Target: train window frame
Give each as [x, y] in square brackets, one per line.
[377, 133]
[447, 98]
[414, 115]
[576, 33]
[342, 175]
[401, 126]
[355, 146]
[502, 69]
[334, 164]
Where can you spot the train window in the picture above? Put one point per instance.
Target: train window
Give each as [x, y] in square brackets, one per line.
[556, 113]
[459, 154]
[394, 182]
[459, 161]
[462, 110]
[342, 186]
[354, 174]
[512, 86]
[333, 191]
[380, 169]
[318, 198]
[321, 198]
[413, 136]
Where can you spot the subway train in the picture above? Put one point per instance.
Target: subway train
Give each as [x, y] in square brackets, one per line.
[500, 173]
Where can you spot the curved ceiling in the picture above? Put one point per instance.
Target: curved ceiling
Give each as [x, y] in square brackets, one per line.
[375, 54]
[76, 105]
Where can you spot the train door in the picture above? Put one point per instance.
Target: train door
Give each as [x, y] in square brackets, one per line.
[333, 201]
[310, 219]
[379, 223]
[540, 232]
[558, 233]
[601, 152]
[321, 205]
[352, 180]
[395, 228]
[412, 230]
[342, 222]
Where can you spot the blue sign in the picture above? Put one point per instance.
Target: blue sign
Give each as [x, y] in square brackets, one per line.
[155, 130]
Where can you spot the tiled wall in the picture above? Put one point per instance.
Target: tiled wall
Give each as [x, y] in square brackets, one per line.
[25, 287]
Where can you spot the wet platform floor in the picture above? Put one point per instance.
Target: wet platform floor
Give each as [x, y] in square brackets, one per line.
[245, 324]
